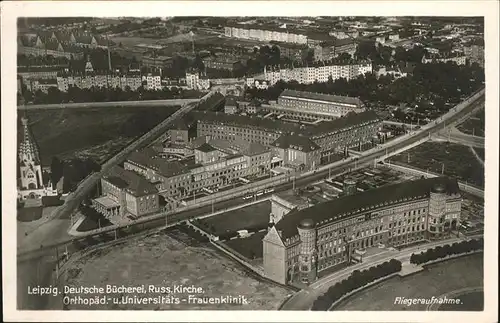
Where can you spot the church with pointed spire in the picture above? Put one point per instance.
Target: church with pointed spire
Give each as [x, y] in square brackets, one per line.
[31, 183]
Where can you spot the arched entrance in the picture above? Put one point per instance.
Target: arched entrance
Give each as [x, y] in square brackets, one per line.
[32, 195]
[454, 224]
[32, 186]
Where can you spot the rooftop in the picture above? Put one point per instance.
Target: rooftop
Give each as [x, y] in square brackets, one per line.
[130, 181]
[296, 142]
[279, 126]
[255, 148]
[357, 204]
[149, 159]
[206, 148]
[320, 97]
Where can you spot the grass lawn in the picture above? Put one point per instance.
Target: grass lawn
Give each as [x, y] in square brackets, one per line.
[473, 301]
[241, 219]
[77, 130]
[250, 247]
[160, 260]
[28, 214]
[475, 125]
[458, 161]
[436, 280]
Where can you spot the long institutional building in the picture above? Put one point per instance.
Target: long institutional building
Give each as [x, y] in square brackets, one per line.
[330, 137]
[318, 73]
[308, 105]
[306, 241]
[134, 189]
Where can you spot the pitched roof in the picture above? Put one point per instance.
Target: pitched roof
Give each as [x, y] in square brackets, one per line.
[355, 205]
[351, 119]
[296, 142]
[271, 125]
[255, 148]
[320, 97]
[148, 158]
[130, 181]
[206, 148]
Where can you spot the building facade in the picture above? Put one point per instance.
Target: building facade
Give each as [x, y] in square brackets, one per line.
[332, 136]
[310, 105]
[328, 50]
[297, 151]
[265, 34]
[318, 73]
[458, 59]
[306, 242]
[126, 193]
[88, 80]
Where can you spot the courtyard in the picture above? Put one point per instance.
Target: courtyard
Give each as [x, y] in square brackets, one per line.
[161, 260]
[256, 215]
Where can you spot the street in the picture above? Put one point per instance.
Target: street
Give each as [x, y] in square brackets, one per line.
[28, 273]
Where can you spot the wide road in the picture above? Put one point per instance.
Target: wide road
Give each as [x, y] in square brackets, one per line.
[145, 103]
[452, 134]
[27, 258]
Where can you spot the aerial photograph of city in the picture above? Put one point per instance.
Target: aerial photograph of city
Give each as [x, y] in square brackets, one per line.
[281, 163]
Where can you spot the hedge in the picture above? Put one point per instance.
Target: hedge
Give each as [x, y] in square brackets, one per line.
[447, 250]
[356, 280]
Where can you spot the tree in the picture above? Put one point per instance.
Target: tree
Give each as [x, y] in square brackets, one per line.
[56, 170]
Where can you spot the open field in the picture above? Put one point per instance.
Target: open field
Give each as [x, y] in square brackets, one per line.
[160, 260]
[92, 132]
[458, 161]
[435, 280]
[241, 219]
[475, 125]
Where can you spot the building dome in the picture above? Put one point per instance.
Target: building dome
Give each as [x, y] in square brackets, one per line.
[438, 188]
[306, 224]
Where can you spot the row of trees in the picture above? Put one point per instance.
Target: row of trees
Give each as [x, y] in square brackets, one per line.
[47, 60]
[430, 86]
[102, 94]
[356, 280]
[72, 171]
[447, 250]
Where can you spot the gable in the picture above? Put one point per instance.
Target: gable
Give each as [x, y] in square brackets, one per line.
[273, 237]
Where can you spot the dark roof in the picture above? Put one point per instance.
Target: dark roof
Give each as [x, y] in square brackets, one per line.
[356, 204]
[246, 121]
[255, 148]
[341, 124]
[350, 119]
[206, 148]
[296, 142]
[148, 159]
[134, 183]
[321, 97]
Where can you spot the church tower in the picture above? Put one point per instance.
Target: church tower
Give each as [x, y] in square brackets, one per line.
[88, 66]
[29, 161]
